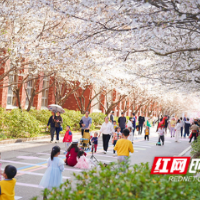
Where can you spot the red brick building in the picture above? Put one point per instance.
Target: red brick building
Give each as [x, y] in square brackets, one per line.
[42, 100]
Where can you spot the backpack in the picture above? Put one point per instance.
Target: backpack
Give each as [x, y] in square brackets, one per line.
[80, 123]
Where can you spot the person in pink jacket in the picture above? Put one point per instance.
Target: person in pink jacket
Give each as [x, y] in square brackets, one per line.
[67, 138]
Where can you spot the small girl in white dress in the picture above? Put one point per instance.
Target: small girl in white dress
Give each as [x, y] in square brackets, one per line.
[53, 175]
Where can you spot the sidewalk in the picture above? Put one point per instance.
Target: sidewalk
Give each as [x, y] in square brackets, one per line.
[76, 135]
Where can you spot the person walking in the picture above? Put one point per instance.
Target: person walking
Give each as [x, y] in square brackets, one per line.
[166, 123]
[133, 123]
[107, 130]
[172, 126]
[182, 125]
[122, 122]
[58, 121]
[195, 130]
[112, 117]
[177, 130]
[51, 122]
[147, 130]
[141, 123]
[86, 123]
[187, 127]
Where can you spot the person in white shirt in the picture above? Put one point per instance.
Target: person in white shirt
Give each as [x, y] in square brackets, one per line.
[130, 127]
[177, 130]
[107, 130]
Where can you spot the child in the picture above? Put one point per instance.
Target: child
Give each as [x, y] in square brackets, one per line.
[161, 132]
[7, 186]
[72, 153]
[94, 140]
[129, 123]
[123, 147]
[82, 161]
[114, 125]
[67, 138]
[53, 175]
[117, 135]
[130, 134]
[146, 133]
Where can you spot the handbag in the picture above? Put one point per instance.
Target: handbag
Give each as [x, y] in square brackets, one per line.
[61, 128]
[80, 123]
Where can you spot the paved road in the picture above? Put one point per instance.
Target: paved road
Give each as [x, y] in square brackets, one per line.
[30, 159]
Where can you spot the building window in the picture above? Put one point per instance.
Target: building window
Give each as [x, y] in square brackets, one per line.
[45, 92]
[28, 91]
[11, 98]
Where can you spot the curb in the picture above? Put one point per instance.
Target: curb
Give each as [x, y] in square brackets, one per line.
[19, 140]
[185, 151]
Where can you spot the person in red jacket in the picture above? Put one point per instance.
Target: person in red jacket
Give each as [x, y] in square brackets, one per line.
[67, 138]
[72, 152]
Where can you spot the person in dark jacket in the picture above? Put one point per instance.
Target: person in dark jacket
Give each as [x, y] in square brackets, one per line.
[187, 127]
[122, 122]
[112, 117]
[58, 121]
[51, 122]
[133, 122]
[166, 123]
[141, 123]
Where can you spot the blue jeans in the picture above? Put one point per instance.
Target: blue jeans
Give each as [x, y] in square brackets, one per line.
[57, 133]
[186, 133]
[114, 143]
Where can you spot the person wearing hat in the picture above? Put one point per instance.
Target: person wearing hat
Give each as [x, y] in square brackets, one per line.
[7, 186]
[72, 153]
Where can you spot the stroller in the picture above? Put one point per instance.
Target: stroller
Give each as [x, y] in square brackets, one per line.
[84, 141]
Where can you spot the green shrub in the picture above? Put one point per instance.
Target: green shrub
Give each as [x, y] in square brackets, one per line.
[196, 148]
[17, 123]
[41, 115]
[21, 124]
[97, 118]
[2, 117]
[111, 183]
[72, 118]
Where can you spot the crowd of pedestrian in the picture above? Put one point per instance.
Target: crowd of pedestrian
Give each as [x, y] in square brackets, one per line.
[122, 134]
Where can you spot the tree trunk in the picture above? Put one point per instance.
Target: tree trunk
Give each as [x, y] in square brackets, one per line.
[30, 101]
[16, 92]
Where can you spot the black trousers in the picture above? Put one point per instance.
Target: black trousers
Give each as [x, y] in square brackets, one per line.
[146, 137]
[162, 138]
[140, 128]
[122, 128]
[193, 135]
[106, 139]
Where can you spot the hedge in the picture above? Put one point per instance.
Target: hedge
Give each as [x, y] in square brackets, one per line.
[196, 148]
[112, 183]
[22, 124]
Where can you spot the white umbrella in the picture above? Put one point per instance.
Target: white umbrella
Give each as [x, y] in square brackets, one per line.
[56, 108]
